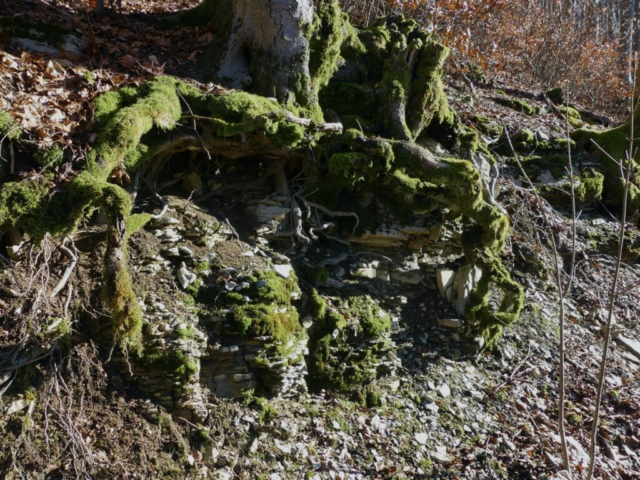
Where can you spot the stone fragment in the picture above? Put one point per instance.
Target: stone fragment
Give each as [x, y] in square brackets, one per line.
[185, 277]
[186, 251]
[444, 278]
[268, 213]
[193, 182]
[450, 322]
[464, 282]
[443, 390]
[365, 272]
[383, 274]
[632, 346]
[333, 283]
[410, 277]
[283, 270]
[170, 252]
[210, 454]
[442, 458]
[421, 438]
[542, 136]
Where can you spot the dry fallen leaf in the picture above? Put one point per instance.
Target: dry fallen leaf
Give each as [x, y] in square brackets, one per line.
[54, 69]
[9, 61]
[128, 61]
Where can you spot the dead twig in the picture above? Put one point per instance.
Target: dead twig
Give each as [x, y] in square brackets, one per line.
[561, 296]
[627, 172]
[67, 273]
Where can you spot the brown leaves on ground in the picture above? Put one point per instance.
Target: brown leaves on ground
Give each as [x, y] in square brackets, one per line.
[50, 95]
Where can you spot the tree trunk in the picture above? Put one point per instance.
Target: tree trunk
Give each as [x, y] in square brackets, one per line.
[264, 47]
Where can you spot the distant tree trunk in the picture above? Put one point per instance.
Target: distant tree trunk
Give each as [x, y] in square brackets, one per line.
[631, 37]
[636, 26]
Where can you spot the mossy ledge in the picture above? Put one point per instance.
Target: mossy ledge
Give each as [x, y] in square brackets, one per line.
[615, 143]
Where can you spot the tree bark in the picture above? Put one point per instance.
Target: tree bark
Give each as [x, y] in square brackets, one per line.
[262, 47]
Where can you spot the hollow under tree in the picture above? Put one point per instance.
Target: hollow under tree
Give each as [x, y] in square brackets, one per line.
[290, 65]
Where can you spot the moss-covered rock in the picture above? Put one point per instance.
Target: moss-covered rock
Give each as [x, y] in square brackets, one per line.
[518, 105]
[556, 95]
[265, 310]
[572, 115]
[349, 343]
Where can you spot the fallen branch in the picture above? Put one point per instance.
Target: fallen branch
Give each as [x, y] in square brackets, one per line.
[305, 122]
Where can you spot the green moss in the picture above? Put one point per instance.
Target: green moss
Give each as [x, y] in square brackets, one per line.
[265, 312]
[572, 115]
[187, 332]
[157, 105]
[30, 206]
[327, 33]
[428, 101]
[135, 222]
[125, 310]
[482, 316]
[173, 362]
[50, 156]
[518, 105]
[372, 320]
[556, 95]
[8, 128]
[562, 143]
[194, 97]
[488, 126]
[240, 113]
[317, 304]
[232, 298]
[336, 333]
[89, 77]
[194, 288]
[202, 267]
[107, 104]
[266, 320]
[318, 275]
[349, 99]
[615, 143]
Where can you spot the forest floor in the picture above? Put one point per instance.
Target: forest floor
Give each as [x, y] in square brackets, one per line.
[444, 414]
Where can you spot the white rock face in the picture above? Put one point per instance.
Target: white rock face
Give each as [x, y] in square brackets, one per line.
[445, 277]
[464, 282]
